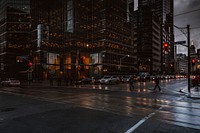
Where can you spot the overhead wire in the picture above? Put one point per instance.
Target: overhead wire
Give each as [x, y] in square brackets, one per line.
[187, 12]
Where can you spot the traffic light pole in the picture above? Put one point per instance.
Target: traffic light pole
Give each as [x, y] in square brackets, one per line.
[189, 59]
[189, 66]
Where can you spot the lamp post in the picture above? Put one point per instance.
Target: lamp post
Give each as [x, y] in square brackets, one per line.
[120, 61]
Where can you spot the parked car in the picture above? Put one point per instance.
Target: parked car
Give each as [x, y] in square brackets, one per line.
[96, 80]
[109, 80]
[85, 80]
[153, 77]
[127, 78]
[144, 76]
[10, 82]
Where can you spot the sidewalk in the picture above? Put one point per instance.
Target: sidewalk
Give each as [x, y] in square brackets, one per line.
[194, 92]
[43, 83]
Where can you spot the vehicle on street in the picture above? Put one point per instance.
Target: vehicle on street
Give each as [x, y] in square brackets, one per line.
[109, 80]
[153, 77]
[10, 82]
[85, 80]
[127, 78]
[144, 76]
[96, 80]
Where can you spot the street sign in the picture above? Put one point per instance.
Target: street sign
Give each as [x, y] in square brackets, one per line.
[180, 42]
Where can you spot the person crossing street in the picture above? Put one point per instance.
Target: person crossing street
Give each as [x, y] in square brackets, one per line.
[131, 86]
[157, 84]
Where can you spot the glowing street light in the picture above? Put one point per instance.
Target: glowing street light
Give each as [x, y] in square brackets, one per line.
[120, 61]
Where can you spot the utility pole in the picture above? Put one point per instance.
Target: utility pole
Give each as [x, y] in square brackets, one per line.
[189, 66]
[181, 43]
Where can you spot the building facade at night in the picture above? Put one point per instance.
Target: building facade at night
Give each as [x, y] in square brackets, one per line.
[14, 34]
[149, 38]
[182, 64]
[74, 38]
[155, 27]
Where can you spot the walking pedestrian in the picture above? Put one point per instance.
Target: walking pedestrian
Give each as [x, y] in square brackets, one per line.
[67, 80]
[131, 86]
[157, 84]
[51, 78]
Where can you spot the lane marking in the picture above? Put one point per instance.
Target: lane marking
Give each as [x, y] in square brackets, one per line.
[133, 128]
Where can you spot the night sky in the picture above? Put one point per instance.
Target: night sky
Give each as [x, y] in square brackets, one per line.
[193, 19]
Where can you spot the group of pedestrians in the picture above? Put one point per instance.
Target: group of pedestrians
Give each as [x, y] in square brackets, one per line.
[157, 84]
[52, 78]
[70, 81]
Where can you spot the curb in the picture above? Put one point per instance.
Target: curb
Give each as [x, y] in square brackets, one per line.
[193, 96]
[189, 95]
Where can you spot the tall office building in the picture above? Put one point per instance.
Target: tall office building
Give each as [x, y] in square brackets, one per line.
[14, 33]
[149, 38]
[77, 37]
[161, 13]
[165, 11]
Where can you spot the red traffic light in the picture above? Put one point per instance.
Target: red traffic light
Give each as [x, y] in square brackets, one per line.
[30, 64]
[193, 62]
[166, 46]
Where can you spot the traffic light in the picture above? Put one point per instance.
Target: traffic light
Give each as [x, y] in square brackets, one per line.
[27, 64]
[17, 59]
[193, 62]
[166, 46]
[30, 64]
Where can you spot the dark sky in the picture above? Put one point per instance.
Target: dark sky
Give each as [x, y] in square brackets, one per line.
[193, 19]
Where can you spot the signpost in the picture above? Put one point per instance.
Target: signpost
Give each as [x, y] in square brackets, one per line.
[180, 42]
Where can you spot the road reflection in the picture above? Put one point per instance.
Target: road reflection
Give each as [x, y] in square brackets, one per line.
[170, 85]
[140, 102]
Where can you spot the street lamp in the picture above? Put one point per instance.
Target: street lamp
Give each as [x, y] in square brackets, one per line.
[120, 61]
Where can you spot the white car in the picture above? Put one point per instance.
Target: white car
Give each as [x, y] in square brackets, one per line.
[109, 80]
[10, 82]
[127, 78]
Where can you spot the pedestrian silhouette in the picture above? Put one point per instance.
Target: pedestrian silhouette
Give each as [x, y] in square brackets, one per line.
[131, 86]
[157, 84]
[51, 78]
[67, 80]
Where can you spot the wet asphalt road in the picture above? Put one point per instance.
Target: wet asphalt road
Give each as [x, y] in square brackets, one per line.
[99, 109]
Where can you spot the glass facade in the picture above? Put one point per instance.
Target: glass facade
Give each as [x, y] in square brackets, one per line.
[14, 33]
[66, 35]
[155, 26]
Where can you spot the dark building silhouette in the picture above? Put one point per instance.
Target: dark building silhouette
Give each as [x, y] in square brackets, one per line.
[14, 34]
[56, 34]
[85, 38]
[149, 38]
[155, 27]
